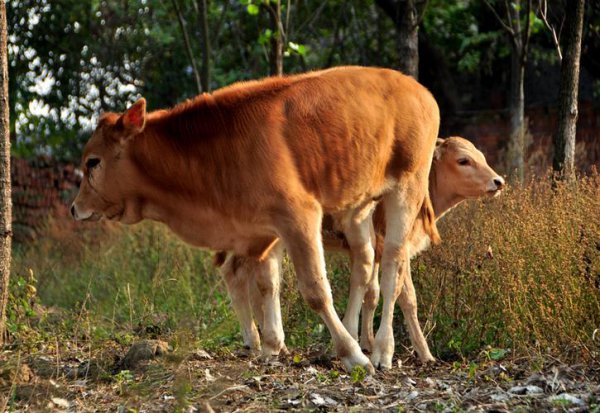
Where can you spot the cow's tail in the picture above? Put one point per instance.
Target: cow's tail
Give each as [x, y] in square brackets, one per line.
[428, 218]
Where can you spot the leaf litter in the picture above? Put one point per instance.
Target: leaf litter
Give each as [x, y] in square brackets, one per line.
[160, 379]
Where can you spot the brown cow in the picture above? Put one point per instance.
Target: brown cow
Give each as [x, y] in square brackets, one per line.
[459, 171]
[261, 161]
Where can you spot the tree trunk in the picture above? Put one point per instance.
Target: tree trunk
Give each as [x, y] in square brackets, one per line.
[188, 46]
[203, 15]
[564, 140]
[408, 40]
[5, 190]
[276, 52]
[516, 107]
[405, 15]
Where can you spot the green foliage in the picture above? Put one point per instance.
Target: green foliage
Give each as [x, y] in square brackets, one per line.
[21, 304]
[358, 375]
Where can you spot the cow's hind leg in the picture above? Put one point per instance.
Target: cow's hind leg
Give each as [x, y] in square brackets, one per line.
[265, 301]
[301, 231]
[237, 273]
[401, 206]
[359, 232]
[408, 304]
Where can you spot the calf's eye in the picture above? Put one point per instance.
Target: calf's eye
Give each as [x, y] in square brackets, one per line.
[91, 163]
[463, 161]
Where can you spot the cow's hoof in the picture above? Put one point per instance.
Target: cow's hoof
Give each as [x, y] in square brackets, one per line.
[381, 360]
[361, 360]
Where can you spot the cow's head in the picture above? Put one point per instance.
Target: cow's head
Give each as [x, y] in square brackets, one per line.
[107, 169]
[462, 172]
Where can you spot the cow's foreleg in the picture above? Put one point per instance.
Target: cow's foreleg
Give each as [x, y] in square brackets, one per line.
[237, 273]
[370, 302]
[360, 235]
[408, 304]
[301, 232]
[401, 212]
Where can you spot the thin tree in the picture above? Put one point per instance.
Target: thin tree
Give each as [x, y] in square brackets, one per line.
[5, 189]
[517, 27]
[277, 37]
[188, 46]
[202, 8]
[406, 15]
[564, 140]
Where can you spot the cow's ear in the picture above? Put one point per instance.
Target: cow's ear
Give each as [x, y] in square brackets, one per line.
[437, 153]
[134, 118]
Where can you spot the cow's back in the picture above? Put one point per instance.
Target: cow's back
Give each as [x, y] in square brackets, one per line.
[350, 130]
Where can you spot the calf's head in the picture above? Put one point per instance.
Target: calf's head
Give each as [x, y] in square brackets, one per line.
[462, 172]
[108, 173]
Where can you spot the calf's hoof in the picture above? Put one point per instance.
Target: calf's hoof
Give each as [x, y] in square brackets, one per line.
[382, 360]
[359, 359]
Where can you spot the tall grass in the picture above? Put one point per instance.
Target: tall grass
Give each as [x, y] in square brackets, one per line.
[129, 279]
[521, 271]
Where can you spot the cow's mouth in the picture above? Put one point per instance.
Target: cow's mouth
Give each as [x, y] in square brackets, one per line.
[115, 216]
[493, 193]
[93, 217]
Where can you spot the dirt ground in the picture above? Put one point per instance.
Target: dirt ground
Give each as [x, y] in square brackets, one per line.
[151, 377]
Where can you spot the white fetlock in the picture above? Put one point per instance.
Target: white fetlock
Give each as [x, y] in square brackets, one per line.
[383, 352]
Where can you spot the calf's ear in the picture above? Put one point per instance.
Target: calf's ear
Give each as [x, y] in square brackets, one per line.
[134, 119]
[437, 152]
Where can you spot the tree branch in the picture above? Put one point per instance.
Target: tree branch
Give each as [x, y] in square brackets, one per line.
[543, 9]
[188, 47]
[508, 29]
[526, 33]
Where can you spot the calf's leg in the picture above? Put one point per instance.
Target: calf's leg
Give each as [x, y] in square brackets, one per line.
[360, 234]
[266, 286]
[237, 274]
[401, 206]
[369, 306]
[408, 304]
[300, 230]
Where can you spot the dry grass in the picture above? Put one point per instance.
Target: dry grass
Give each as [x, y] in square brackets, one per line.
[539, 292]
[521, 271]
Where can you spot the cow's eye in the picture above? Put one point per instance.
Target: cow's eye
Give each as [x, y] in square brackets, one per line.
[464, 161]
[91, 163]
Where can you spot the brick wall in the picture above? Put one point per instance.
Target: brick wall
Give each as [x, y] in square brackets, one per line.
[489, 131]
[41, 189]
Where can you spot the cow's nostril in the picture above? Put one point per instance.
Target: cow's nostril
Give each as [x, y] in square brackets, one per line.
[73, 211]
[499, 182]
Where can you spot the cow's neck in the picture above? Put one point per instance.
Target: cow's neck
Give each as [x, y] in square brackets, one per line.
[169, 172]
[441, 199]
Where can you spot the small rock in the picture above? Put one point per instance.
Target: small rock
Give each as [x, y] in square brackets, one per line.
[567, 399]
[410, 382]
[525, 390]
[319, 400]
[143, 350]
[412, 395]
[209, 377]
[201, 354]
[500, 397]
[62, 403]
